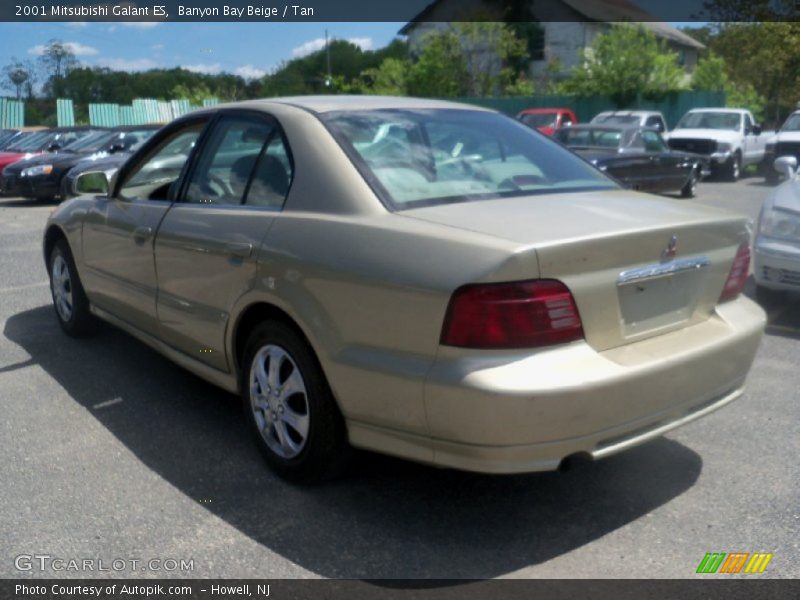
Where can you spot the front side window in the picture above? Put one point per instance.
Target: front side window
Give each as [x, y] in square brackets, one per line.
[152, 176]
[422, 157]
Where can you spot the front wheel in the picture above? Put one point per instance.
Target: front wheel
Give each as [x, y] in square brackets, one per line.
[735, 167]
[289, 406]
[69, 299]
[689, 189]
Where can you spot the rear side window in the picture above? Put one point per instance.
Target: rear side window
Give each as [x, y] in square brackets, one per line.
[272, 176]
[227, 161]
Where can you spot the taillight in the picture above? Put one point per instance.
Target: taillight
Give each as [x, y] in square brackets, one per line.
[738, 275]
[522, 314]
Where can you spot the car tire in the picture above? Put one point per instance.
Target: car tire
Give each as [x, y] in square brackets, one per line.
[689, 189]
[300, 433]
[769, 298]
[734, 167]
[69, 298]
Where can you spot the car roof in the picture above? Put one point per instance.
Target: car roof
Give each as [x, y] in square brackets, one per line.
[720, 109]
[538, 111]
[333, 103]
[628, 113]
[615, 127]
[123, 128]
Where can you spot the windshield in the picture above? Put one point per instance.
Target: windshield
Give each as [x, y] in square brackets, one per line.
[93, 142]
[619, 119]
[710, 120]
[792, 123]
[422, 157]
[539, 119]
[590, 138]
[128, 141]
[28, 142]
[6, 135]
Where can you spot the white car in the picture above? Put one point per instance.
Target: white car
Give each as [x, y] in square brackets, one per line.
[730, 137]
[786, 142]
[776, 267]
[643, 118]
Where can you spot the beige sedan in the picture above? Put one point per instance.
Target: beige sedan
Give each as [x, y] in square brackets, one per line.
[424, 279]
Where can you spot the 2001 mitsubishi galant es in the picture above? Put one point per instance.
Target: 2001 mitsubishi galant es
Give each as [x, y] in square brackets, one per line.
[425, 279]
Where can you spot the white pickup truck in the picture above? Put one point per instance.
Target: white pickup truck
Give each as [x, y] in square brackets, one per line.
[730, 137]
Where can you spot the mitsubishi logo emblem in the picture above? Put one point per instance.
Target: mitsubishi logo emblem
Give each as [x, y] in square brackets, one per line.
[671, 250]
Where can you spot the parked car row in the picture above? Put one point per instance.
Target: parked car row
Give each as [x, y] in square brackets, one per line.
[728, 139]
[41, 164]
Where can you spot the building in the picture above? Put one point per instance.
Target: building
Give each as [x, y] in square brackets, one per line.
[569, 27]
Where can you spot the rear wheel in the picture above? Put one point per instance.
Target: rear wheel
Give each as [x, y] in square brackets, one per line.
[289, 406]
[69, 299]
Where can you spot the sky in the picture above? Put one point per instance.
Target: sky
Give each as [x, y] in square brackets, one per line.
[247, 49]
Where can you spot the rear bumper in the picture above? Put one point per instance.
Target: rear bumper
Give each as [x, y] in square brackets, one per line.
[517, 413]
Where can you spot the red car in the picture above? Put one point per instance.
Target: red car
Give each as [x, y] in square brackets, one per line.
[547, 120]
[25, 145]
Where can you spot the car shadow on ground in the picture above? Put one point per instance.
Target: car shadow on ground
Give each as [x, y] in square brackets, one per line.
[386, 518]
[25, 202]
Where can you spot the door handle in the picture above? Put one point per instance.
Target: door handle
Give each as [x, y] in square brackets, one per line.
[239, 250]
[140, 234]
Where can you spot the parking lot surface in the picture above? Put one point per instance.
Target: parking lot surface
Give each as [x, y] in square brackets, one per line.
[112, 452]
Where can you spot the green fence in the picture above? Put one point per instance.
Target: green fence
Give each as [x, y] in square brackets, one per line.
[673, 106]
[12, 113]
[65, 113]
[141, 111]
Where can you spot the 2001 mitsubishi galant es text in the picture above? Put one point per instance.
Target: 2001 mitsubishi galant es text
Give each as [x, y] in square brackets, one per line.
[425, 279]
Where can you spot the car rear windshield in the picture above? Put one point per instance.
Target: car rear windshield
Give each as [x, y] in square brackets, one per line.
[539, 119]
[590, 138]
[421, 157]
[710, 120]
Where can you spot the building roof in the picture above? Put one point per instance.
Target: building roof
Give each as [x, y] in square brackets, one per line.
[602, 11]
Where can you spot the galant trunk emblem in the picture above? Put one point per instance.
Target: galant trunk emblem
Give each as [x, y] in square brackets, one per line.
[671, 250]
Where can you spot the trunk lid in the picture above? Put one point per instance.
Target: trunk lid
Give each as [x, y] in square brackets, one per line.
[637, 265]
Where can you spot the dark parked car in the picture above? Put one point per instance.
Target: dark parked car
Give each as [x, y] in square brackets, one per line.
[26, 145]
[40, 176]
[636, 156]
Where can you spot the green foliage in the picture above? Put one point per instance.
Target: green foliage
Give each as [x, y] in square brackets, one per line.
[744, 95]
[441, 69]
[195, 94]
[624, 63]
[764, 56]
[389, 79]
[710, 74]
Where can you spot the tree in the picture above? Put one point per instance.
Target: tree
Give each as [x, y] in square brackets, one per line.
[57, 60]
[624, 63]
[389, 79]
[765, 56]
[749, 10]
[710, 74]
[16, 76]
[440, 70]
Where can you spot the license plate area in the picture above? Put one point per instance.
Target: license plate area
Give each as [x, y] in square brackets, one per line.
[660, 295]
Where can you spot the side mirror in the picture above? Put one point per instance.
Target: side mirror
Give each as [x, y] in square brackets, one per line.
[92, 182]
[756, 130]
[786, 165]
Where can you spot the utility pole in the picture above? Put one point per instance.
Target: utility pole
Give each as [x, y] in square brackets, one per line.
[329, 80]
